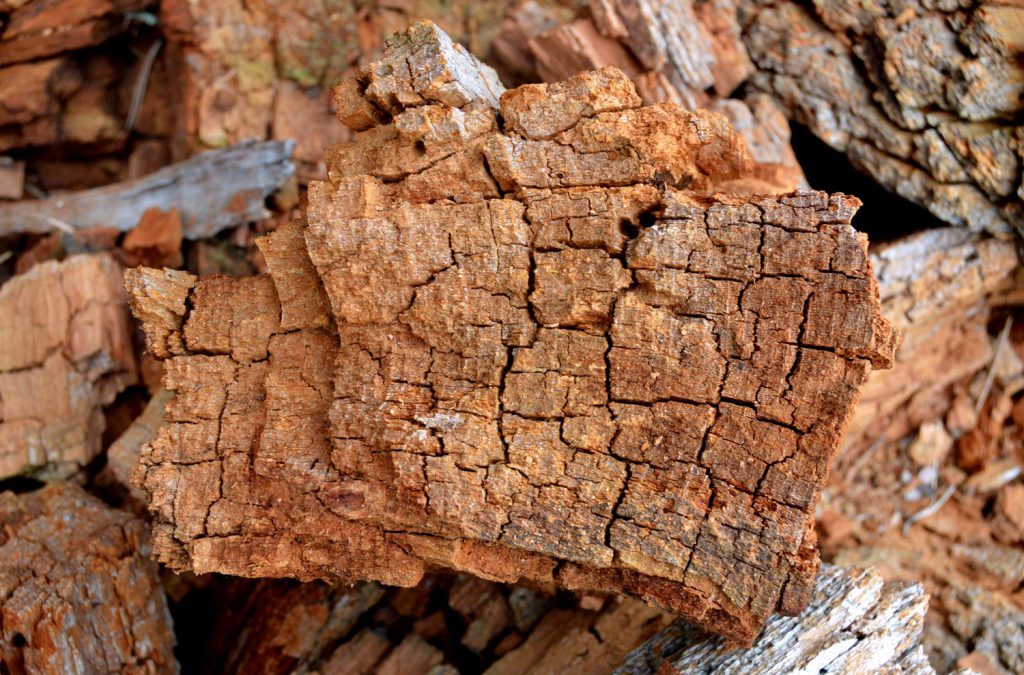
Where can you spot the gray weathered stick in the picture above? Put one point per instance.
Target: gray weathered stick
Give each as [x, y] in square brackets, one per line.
[213, 191]
[855, 623]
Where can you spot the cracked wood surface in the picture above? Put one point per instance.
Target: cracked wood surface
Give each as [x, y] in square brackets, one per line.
[65, 352]
[923, 96]
[518, 339]
[855, 623]
[78, 592]
[678, 52]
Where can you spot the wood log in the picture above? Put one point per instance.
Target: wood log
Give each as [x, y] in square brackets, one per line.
[80, 593]
[40, 28]
[926, 99]
[65, 352]
[449, 393]
[212, 191]
[855, 623]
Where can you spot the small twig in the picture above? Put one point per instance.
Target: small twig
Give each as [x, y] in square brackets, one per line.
[929, 510]
[35, 191]
[1004, 337]
[142, 83]
[60, 224]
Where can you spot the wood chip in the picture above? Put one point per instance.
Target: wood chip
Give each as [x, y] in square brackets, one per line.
[65, 352]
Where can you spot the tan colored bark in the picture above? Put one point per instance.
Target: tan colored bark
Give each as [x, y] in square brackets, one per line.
[687, 53]
[79, 592]
[546, 354]
[65, 352]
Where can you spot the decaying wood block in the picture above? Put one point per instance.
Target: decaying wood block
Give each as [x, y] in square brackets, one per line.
[212, 191]
[855, 623]
[925, 97]
[680, 52]
[525, 344]
[78, 591]
[65, 352]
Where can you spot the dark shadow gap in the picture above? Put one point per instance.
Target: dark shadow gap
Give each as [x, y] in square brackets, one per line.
[884, 216]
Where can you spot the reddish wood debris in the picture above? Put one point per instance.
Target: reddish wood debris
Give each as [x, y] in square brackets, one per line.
[510, 341]
[78, 592]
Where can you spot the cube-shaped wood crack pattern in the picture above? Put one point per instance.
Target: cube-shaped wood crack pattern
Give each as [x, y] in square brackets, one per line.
[526, 335]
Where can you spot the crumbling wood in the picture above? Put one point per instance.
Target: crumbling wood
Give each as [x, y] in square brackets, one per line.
[264, 70]
[923, 98]
[938, 287]
[580, 641]
[212, 191]
[697, 70]
[855, 623]
[79, 592]
[449, 393]
[65, 352]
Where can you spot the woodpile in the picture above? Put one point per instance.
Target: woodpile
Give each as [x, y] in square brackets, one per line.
[549, 357]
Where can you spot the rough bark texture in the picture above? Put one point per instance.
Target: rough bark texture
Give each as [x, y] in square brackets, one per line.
[35, 29]
[212, 191]
[264, 69]
[855, 623]
[65, 352]
[78, 592]
[510, 343]
[923, 96]
[680, 52]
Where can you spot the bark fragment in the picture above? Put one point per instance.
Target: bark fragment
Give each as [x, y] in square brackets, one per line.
[924, 97]
[855, 623]
[546, 355]
[681, 52]
[65, 352]
[79, 593]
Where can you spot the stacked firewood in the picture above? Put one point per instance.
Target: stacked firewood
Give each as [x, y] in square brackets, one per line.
[577, 376]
